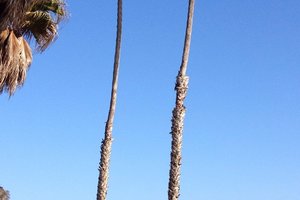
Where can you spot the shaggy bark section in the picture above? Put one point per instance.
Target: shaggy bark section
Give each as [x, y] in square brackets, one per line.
[179, 112]
[177, 132]
[107, 141]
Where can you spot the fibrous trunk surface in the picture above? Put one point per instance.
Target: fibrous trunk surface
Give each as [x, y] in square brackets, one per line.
[107, 141]
[179, 112]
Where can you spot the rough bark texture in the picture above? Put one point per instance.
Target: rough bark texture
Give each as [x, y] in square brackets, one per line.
[107, 141]
[179, 112]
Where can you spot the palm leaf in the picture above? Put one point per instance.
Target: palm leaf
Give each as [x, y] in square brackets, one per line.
[39, 25]
[15, 60]
[20, 19]
[55, 6]
[12, 13]
[42, 20]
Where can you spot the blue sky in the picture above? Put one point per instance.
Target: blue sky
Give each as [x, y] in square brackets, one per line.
[242, 130]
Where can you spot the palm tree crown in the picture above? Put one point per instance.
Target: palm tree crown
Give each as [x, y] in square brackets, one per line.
[4, 195]
[21, 21]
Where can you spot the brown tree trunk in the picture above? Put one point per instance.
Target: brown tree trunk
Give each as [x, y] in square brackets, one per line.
[107, 141]
[179, 112]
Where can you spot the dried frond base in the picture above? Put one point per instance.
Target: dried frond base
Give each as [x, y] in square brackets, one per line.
[15, 59]
[104, 164]
[177, 133]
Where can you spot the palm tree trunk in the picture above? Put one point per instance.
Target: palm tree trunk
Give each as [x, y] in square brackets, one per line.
[179, 112]
[107, 141]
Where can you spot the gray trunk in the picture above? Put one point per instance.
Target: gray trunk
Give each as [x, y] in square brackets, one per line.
[107, 141]
[179, 112]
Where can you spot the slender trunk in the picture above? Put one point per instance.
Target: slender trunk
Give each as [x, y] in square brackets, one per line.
[107, 141]
[179, 112]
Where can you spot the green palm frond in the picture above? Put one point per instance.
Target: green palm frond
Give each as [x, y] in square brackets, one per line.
[40, 25]
[41, 21]
[55, 6]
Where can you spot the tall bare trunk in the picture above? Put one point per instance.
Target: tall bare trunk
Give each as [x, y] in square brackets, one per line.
[107, 141]
[179, 112]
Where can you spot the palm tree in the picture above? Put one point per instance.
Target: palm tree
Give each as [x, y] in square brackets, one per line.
[107, 141]
[179, 112]
[20, 22]
[4, 195]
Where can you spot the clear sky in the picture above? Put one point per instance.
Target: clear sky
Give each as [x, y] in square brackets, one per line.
[242, 130]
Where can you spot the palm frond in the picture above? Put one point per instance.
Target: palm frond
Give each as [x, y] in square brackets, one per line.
[39, 25]
[42, 20]
[55, 6]
[20, 19]
[15, 60]
[12, 13]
